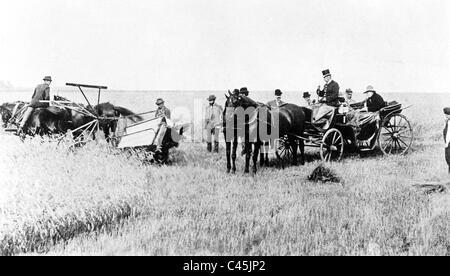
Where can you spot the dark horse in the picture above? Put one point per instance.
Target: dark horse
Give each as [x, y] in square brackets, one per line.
[6, 111]
[107, 114]
[261, 123]
[230, 132]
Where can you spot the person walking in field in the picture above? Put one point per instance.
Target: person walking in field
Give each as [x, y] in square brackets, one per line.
[329, 99]
[161, 112]
[447, 136]
[41, 93]
[212, 123]
[277, 102]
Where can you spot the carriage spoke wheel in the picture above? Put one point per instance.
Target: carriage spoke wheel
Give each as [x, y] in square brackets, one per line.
[283, 149]
[332, 147]
[396, 135]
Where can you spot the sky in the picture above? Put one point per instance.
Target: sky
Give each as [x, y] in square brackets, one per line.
[394, 45]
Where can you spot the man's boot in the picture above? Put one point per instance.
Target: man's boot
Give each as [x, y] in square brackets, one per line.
[216, 147]
[209, 147]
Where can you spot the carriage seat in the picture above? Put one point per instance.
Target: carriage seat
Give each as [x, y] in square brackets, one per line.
[391, 108]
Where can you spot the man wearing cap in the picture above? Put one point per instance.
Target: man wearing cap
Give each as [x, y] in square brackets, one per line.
[330, 100]
[374, 102]
[349, 97]
[41, 93]
[163, 112]
[447, 136]
[277, 102]
[212, 123]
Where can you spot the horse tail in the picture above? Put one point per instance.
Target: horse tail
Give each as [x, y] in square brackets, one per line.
[130, 114]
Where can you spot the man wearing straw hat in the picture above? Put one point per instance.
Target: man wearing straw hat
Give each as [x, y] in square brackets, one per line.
[41, 93]
[213, 120]
[374, 102]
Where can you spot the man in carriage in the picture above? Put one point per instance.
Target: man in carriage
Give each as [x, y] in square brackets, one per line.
[366, 121]
[41, 93]
[329, 95]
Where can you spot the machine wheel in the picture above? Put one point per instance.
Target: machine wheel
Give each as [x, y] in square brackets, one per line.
[332, 146]
[396, 135]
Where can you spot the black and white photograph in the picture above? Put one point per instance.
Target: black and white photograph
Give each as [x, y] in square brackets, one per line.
[224, 129]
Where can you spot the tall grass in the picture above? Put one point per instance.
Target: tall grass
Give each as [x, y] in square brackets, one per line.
[50, 193]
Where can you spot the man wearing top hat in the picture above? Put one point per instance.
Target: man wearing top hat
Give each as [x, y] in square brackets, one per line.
[163, 112]
[330, 100]
[277, 102]
[212, 123]
[447, 136]
[41, 93]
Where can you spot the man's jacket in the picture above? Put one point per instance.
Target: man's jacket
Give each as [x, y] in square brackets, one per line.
[375, 103]
[331, 93]
[213, 115]
[41, 93]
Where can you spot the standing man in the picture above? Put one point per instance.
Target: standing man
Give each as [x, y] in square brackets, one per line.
[277, 102]
[330, 100]
[213, 120]
[163, 112]
[447, 136]
[349, 97]
[41, 93]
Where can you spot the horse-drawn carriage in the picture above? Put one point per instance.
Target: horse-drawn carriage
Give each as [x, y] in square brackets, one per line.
[389, 130]
[84, 122]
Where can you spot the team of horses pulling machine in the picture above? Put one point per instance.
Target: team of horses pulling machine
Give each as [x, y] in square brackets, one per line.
[122, 128]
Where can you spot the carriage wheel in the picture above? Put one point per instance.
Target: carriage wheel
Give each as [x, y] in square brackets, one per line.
[332, 147]
[396, 135]
[283, 149]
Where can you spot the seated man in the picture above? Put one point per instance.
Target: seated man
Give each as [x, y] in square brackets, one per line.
[41, 93]
[374, 102]
[366, 120]
[323, 116]
[164, 113]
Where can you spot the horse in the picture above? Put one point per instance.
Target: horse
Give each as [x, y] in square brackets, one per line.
[229, 128]
[7, 109]
[287, 120]
[107, 114]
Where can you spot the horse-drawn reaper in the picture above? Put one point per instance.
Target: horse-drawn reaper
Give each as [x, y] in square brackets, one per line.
[65, 118]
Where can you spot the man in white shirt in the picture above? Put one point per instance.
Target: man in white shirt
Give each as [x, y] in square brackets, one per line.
[447, 136]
